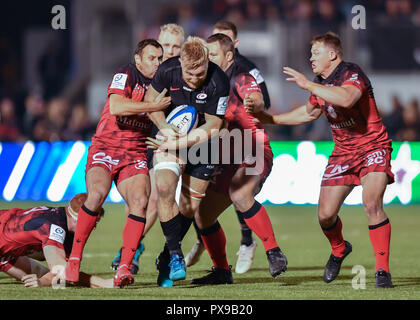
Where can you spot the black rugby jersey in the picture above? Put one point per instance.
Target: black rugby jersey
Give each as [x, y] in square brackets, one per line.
[210, 98]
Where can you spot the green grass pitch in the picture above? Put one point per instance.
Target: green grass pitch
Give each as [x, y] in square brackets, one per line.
[299, 236]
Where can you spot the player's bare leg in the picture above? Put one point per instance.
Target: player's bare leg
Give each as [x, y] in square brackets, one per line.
[242, 191]
[330, 200]
[374, 185]
[98, 185]
[135, 191]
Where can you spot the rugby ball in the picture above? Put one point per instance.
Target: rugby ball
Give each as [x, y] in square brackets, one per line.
[184, 117]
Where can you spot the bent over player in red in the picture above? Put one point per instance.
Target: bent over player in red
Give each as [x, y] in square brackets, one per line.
[118, 153]
[238, 181]
[41, 233]
[361, 155]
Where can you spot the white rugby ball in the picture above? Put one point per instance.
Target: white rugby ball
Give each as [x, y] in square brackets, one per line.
[184, 117]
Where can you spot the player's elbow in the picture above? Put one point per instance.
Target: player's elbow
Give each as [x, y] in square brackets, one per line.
[114, 104]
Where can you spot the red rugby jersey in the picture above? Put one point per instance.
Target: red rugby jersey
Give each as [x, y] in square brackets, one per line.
[127, 132]
[360, 128]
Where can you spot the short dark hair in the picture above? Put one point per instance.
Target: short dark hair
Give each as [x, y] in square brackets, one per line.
[146, 42]
[226, 43]
[330, 39]
[227, 25]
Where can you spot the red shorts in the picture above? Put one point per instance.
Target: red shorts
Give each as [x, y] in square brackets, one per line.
[349, 169]
[120, 163]
[223, 175]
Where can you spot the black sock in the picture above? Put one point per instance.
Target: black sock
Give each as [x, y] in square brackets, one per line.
[172, 231]
[245, 230]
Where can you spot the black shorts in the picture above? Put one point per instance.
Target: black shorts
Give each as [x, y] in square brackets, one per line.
[200, 171]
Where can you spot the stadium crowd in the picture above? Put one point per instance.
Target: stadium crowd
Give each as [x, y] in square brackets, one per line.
[47, 114]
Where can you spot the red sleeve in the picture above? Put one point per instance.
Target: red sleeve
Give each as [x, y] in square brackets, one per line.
[246, 84]
[353, 78]
[7, 263]
[121, 83]
[313, 100]
[54, 237]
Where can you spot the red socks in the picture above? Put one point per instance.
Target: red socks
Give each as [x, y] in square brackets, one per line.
[258, 221]
[86, 221]
[133, 230]
[214, 240]
[335, 237]
[380, 237]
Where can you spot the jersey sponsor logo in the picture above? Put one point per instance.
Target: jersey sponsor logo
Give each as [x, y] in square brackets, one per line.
[141, 164]
[335, 172]
[187, 89]
[222, 105]
[377, 158]
[257, 75]
[138, 93]
[344, 124]
[201, 96]
[119, 80]
[354, 78]
[102, 158]
[57, 233]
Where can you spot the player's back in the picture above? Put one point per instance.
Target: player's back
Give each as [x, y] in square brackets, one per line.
[360, 127]
[25, 230]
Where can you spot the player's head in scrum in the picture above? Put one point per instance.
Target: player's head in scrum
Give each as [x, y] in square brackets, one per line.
[221, 50]
[171, 37]
[194, 60]
[73, 207]
[326, 53]
[148, 56]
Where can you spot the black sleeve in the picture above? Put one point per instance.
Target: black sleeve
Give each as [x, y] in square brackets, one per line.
[256, 73]
[217, 103]
[161, 79]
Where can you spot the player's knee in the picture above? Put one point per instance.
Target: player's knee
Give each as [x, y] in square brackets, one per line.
[96, 198]
[372, 207]
[137, 203]
[164, 190]
[326, 218]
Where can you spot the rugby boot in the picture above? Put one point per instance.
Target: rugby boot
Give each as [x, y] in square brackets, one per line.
[123, 277]
[333, 265]
[195, 253]
[277, 262]
[162, 265]
[72, 270]
[215, 276]
[177, 268]
[383, 279]
[245, 257]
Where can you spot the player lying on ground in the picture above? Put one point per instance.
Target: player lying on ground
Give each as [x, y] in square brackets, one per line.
[42, 233]
[361, 155]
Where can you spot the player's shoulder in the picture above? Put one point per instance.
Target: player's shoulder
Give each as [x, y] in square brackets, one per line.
[170, 65]
[217, 77]
[128, 68]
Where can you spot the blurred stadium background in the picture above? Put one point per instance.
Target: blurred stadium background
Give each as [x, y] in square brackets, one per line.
[53, 83]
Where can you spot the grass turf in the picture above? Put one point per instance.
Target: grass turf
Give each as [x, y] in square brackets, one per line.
[299, 236]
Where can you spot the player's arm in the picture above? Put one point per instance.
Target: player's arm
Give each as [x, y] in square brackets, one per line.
[158, 117]
[122, 106]
[299, 115]
[344, 96]
[198, 135]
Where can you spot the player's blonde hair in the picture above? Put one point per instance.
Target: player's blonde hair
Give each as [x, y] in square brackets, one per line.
[174, 29]
[194, 52]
